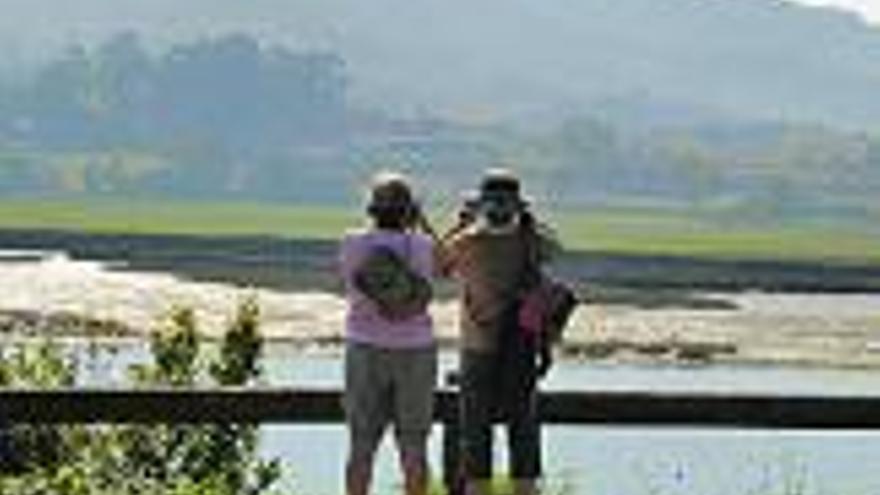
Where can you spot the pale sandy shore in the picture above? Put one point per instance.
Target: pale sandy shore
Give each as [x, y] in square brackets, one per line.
[840, 330]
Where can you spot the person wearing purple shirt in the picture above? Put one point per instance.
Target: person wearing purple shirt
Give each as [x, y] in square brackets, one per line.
[390, 361]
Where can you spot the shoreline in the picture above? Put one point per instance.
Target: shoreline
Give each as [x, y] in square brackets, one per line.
[309, 264]
[74, 284]
[663, 353]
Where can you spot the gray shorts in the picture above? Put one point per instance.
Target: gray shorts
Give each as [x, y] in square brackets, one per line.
[389, 387]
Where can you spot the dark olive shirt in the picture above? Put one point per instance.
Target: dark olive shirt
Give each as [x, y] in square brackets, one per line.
[489, 265]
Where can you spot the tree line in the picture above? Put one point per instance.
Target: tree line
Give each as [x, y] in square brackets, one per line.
[192, 117]
[231, 116]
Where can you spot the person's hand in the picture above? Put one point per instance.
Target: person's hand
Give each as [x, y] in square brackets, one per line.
[467, 214]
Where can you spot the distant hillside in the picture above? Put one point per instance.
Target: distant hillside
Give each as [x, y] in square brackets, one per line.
[756, 108]
[746, 58]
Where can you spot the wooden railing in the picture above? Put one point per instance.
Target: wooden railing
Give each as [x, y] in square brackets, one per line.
[324, 405]
[316, 405]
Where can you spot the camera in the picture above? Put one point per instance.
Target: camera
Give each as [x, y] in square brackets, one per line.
[470, 210]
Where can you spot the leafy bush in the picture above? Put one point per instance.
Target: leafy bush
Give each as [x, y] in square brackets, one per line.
[175, 459]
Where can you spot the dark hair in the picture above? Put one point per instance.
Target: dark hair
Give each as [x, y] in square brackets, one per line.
[391, 204]
[392, 218]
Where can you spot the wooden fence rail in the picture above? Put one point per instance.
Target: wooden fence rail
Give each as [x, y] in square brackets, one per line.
[316, 405]
[324, 405]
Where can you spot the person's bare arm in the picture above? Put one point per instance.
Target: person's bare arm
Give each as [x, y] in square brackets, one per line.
[444, 244]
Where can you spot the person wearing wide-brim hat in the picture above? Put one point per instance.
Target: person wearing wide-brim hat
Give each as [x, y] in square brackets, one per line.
[490, 256]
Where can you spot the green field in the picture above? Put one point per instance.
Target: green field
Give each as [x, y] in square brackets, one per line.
[620, 230]
[652, 231]
[176, 217]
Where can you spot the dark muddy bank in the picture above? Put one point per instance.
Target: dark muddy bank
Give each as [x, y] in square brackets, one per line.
[294, 265]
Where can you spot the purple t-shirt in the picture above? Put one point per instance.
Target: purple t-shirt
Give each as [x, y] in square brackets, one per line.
[364, 324]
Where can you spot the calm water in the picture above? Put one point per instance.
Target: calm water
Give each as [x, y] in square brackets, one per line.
[607, 461]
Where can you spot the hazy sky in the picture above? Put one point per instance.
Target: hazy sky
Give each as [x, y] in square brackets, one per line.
[870, 8]
[46, 22]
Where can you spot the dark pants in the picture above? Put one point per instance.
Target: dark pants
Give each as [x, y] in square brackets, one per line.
[501, 386]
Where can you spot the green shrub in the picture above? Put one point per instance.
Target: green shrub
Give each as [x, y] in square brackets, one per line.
[210, 459]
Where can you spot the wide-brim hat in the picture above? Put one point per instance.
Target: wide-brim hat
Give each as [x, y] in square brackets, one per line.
[500, 182]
